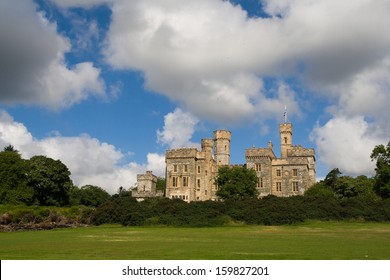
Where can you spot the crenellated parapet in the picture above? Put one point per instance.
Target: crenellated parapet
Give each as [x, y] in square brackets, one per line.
[299, 151]
[181, 153]
[259, 152]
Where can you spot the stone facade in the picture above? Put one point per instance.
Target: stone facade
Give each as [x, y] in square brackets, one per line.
[291, 174]
[190, 173]
[146, 186]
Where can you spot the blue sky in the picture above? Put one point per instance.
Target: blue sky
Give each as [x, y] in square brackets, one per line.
[106, 86]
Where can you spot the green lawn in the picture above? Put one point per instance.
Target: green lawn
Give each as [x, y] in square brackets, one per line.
[312, 240]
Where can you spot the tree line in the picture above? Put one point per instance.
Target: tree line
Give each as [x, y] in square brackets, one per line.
[336, 197]
[40, 183]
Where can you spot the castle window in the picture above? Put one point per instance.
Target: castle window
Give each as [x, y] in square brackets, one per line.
[175, 168]
[205, 192]
[198, 168]
[261, 182]
[258, 167]
[185, 168]
[185, 181]
[295, 172]
[174, 182]
[278, 173]
[285, 140]
[295, 186]
[198, 183]
[278, 186]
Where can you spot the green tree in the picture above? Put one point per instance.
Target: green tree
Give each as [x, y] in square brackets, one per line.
[332, 177]
[93, 196]
[10, 148]
[382, 177]
[160, 186]
[13, 180]
[236, 182]
[51, 181]
[319, 190]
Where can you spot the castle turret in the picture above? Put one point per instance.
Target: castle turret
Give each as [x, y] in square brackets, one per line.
[285, 130]
[222, 147]
[207, 146]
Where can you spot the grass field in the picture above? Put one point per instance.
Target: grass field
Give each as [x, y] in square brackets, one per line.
[312, 240]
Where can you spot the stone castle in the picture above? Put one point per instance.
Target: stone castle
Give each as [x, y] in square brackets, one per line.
[190, 172]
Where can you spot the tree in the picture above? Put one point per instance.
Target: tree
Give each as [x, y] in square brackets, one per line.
[13, 180]
[93, 195]
[10, 148]
[160, 186]
[382, 177]
[332, 177]
[236, 182]
[51, 181]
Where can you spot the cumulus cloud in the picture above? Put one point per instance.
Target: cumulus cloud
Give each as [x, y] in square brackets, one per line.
[32, 65]
[359, 121]
[89, 160]
[347, 143]
[179, 126]
[202, 53]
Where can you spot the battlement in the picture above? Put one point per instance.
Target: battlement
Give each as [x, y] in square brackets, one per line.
[222, 134]
[299, 151]
[259, 152]
[148, 176]
[285, 127]
[181, 153]
[207, 143]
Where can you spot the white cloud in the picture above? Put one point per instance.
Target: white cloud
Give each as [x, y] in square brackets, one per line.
[347, 143]
[156, 163]
[178, 129]
[32, 64]
[359, 121]
[194, 52]
[89, 160]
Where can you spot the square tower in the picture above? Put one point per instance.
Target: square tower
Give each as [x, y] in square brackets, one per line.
[285, 130]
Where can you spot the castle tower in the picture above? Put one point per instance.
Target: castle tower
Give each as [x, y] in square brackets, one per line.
[285, 130]
[222, 147]
[207, 146]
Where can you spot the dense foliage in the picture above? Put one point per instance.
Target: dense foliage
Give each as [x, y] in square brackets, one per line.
[320, 203]
[41, 182]
[236, 182]
[382, 177]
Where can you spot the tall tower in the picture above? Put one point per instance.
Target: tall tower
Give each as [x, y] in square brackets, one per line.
[285, 130]
[207, 147]
[222, 147]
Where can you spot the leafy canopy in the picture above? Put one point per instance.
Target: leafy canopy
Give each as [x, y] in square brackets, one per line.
[382, 177]
[236, 182]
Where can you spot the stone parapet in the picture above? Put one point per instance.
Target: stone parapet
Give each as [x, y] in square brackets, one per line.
[259, 152]
[181, 153]
[298, 151]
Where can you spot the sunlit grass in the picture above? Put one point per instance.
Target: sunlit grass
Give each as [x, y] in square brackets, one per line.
[311, 240]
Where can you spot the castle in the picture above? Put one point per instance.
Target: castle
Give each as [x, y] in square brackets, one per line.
[190, 172]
